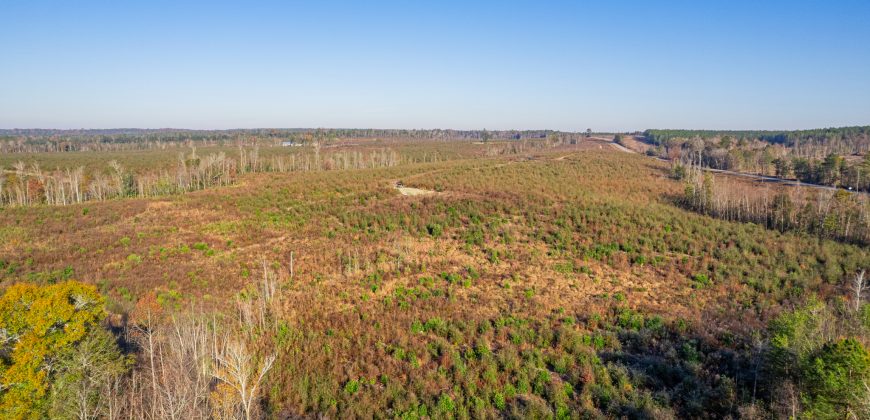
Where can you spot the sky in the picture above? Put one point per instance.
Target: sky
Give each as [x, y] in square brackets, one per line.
[566, 65]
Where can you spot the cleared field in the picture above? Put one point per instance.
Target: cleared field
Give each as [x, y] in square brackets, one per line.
[551, 282]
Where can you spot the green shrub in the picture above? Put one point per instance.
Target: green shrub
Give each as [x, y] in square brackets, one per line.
[417, 327]
[434, 230]
[446, 404]
[498, 400]
[436, 325]
[701, 281]
[351, 387]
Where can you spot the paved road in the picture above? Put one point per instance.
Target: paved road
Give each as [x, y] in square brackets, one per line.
[612, 143]
[621, 148]
[774, 180]
[760, 178]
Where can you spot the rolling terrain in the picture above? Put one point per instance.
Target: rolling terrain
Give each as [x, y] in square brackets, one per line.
[561, 281]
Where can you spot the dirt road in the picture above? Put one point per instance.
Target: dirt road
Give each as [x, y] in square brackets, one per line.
[413, 191]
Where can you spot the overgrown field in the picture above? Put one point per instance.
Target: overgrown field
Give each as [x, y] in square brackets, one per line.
[562, 283]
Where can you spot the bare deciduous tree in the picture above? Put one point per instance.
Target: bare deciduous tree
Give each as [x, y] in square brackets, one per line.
[237, 367]
[858, 287]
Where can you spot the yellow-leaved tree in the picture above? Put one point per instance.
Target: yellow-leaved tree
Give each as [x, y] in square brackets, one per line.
[38, 324]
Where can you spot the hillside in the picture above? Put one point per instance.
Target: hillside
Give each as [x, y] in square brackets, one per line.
[563, 281]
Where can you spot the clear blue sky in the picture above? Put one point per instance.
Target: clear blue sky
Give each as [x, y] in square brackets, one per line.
[607, 65]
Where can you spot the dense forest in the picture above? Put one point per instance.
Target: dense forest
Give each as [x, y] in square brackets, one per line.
[858, 138]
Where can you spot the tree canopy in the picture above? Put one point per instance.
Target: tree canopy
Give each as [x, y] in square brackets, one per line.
[37, 324]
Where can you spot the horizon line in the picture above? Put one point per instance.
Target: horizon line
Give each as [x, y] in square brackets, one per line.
[433, 128]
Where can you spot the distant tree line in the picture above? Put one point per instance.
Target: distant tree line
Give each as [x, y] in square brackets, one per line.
[27, 184]
[830, 157]
[42, 140]
[855, 138]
